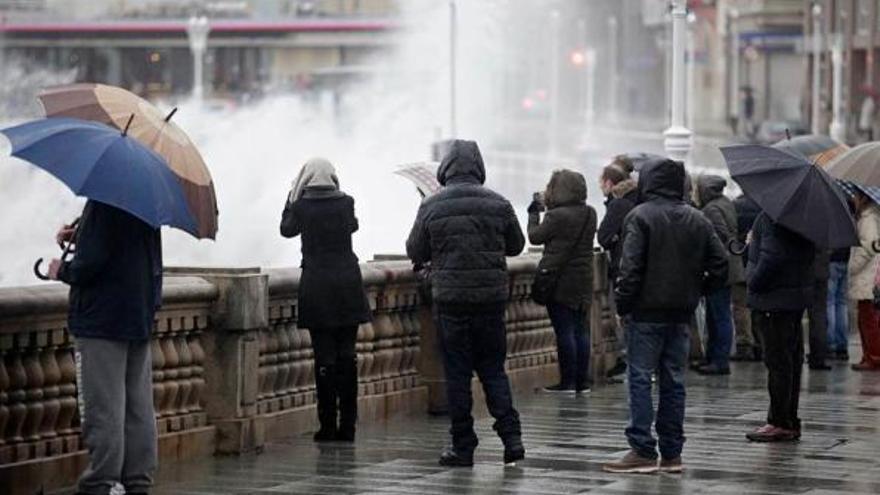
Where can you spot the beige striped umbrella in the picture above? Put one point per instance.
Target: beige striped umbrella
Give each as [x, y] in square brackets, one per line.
[115, 106]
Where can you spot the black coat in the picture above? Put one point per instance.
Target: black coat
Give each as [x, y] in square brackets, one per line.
[781, 268]
[465, 231]
[624, 197]
[746, 213]
[722, 214]
[331, 289]
[567, 233]
[671, 255]
[115, 277]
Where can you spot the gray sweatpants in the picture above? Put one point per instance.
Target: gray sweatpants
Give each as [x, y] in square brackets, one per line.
[115, 381]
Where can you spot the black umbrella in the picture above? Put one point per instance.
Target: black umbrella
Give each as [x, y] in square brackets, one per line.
[793, 193]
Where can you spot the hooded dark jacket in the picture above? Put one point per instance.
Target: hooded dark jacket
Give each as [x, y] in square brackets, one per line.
[115, 277]
[623, 198]
[671, 255]
[746, 213]
[465, 231]
[567, 233]
[721, 212]
[781, 270]
[331, 290]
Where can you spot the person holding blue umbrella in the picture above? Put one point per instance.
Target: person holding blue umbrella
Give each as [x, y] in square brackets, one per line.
[115, 279]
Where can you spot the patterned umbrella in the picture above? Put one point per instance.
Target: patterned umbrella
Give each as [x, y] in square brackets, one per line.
[115, 106]
[818, 149]
[860, 165]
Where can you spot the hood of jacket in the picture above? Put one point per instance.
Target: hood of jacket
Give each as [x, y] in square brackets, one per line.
[661, 178]
[566, 187]
[710, 188]
[623, 188]
[462, 164]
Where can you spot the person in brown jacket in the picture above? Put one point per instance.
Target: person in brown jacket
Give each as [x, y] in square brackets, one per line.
[567, 232]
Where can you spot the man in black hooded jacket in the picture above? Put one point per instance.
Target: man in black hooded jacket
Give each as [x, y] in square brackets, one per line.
[465, 231]
[671, 256]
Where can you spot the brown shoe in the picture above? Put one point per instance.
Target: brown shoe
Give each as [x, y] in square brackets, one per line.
[865, 366]
[632, 462]
[770, 433]
[671, 465]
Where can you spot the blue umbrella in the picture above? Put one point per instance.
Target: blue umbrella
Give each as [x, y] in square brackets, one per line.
[100, 163]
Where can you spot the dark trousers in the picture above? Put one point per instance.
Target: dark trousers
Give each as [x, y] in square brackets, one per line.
[572, 344]
[336, 380]
[719, 327]
[818, 316]
[473, 338]
[783, 341]
[661, 348]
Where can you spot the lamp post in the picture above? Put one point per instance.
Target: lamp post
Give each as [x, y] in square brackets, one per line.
[691, 70]
[734, 67]
[453, 63]
[612, 76]
[590, 60]
[838, 127]
[817, 69]
[677, 140]
[197, 30]
[554, 83]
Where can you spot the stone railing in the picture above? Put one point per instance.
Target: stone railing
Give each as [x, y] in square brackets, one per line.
[231, 367]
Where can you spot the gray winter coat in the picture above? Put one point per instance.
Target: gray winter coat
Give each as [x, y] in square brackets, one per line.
[568, 215]
[465, 231]
[721, 212]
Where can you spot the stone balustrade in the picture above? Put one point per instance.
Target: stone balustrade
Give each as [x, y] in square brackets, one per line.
[231, 367]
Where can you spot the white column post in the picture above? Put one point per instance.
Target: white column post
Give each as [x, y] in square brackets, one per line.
[838, 126]
[678, 137]
[197, 30]
[815, 111]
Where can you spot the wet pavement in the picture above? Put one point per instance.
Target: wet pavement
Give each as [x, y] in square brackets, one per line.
[568, 439]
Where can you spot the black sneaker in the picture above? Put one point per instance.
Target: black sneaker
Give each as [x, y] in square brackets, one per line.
[585, 389]
[560, 389]
[514, 454]
[619, 368]
[712, 370]
[450, 458]
[819, 366]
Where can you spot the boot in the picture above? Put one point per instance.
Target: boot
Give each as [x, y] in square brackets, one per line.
[347, 389]
[325, 392]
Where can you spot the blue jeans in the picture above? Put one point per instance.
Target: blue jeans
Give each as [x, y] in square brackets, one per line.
[838, 315]
[660, 347]
[572, 343]
[475, 339]
[719, 327]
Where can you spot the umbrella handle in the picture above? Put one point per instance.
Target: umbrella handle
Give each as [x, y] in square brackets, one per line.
[37, 270]
[736, 251]
[875, 246]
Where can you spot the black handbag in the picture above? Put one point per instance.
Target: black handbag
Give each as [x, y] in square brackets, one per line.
[547, 279]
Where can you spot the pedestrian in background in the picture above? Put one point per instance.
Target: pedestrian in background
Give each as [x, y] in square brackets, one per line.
[670, 255]
[838, 310]
[465, 231]
[863, 263]
[567, 232]
[781, 276]
[748, 346]
[719, 321]
[621, 196]
[331, 303]
[115, 281]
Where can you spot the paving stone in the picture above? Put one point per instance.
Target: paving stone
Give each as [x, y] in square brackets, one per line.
[568, 439]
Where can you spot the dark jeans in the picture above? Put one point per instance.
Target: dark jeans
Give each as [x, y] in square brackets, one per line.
[572, 344]
[474, 338]
[719, 328]
[818, 316]
[660, 347]
[838, 312]
[333, 345]
[783, 341]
